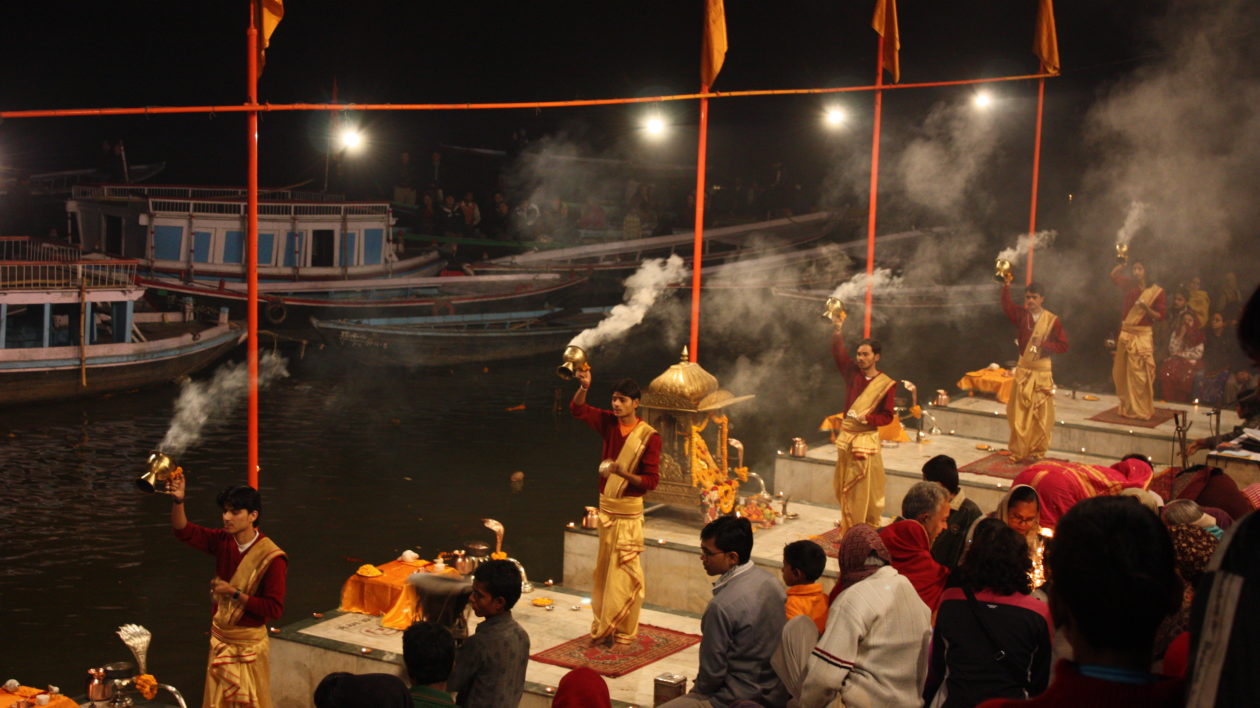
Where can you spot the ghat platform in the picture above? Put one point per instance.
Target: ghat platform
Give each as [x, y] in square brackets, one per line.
[304, 652]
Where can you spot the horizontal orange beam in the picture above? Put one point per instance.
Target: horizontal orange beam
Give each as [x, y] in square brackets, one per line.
[268, 107]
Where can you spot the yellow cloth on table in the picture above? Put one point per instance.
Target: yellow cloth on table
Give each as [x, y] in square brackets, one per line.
[27, 693]
[995, 381]
[388, 595]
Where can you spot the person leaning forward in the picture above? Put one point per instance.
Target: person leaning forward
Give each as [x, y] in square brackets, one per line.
[869, 401]
[246, 592]
[634, 450]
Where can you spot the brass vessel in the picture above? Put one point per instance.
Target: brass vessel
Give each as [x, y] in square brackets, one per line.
[833, 310]
[1122, 252]
[575, 360]
[799, 447]
[157, 476]
[1002, 271]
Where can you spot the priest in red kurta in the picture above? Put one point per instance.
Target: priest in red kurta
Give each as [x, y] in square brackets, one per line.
[246, 593]
[631, 452]
[868, 404]
[1030, 410]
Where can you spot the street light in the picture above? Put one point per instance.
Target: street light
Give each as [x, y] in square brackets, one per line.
[351, 139]
[655, 125]
[834, 116]
[982, 99]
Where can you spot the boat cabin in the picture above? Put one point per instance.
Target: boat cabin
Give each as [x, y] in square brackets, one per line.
[200, 231]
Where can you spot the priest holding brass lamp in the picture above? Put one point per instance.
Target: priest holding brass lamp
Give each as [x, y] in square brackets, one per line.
[1039, 333]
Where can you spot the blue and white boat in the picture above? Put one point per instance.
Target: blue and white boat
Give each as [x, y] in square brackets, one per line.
[69, 327]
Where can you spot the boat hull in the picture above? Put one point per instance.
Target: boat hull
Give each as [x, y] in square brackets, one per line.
[53, 374]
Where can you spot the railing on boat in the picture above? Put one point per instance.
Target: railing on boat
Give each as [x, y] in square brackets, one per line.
[25, 248]
[208, 207]
[67, 275]
[167, 191]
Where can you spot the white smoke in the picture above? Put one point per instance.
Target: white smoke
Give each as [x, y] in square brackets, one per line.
[882, 281]
[1133, 220]
[202, 401]
[1041, 239]
[642, 289]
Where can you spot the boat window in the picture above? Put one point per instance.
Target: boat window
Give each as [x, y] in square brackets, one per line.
[168, 242]
[373, 240]
[114, 235]
[266, 249]
[323, 248]
[233, 246]
[293, 249]
[349, 242]
[201, 246]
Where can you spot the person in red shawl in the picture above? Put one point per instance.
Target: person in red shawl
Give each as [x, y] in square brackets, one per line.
[1060, 485]
[924, 511]
[1185, 359]
[582, 688]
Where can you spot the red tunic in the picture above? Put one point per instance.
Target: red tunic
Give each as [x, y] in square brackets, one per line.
[267, 602]
[1132, 291]
[605, 423]
[1055, 342]
[856, 383]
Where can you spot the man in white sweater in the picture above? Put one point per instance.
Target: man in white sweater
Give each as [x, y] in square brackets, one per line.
[874, 651]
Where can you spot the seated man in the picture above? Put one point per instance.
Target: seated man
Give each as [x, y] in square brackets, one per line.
[924, 510]
[875, 649]
[948, 546]
[490, 667]
[429, 653]
[1114, 581]
[741, 626]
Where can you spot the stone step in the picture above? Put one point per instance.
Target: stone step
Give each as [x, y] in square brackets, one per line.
[304, 652]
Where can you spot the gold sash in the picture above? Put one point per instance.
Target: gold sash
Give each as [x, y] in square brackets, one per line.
[1135, 314]
[1041, 330]
[246, 579]
[628, 460]
[863, 438]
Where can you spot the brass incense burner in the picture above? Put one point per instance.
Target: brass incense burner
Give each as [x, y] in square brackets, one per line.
[833, 310]
[1002, 271]
[1122, 252]
[575, 360]
[157, 476]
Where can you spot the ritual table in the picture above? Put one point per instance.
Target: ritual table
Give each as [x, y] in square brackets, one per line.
[995, 381]
[27, 693]
[388, 595]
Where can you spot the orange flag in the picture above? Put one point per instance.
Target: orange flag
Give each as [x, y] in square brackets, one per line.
[270, 12]
[885, 23]
[714, 51]
[1046, 40]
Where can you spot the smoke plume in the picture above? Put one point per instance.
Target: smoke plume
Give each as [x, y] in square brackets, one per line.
[1133, 221]
[202, 401]
[1041, 239]
[642, 289]
[882, 281]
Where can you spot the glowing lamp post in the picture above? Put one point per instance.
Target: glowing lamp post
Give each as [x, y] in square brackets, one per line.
[834, 117]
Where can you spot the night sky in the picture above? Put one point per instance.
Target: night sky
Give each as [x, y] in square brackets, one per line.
[70, 54]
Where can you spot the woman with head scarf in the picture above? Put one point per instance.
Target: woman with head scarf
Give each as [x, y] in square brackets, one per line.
[874, 651]
[582, 688]
[992, 639]
[1192, 550]
[1185, 359]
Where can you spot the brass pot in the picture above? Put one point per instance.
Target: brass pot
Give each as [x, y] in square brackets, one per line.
[157, 476]
[942, 398]
[833, 310]
[591, 520]
[799, 447]
[1122, 252]
[1002, 271]
[575, 360]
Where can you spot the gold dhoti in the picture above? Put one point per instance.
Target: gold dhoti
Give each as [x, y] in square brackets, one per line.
[859, 484]
[1133, 371]
[1030, 410]
[239, 672]
[619, 589]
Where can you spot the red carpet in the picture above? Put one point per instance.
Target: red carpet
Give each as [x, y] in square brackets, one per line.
[998, 465]
[830, 542]
[653, 643]
[1112, 415]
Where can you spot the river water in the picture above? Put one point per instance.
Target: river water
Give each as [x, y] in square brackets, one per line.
[357, 466]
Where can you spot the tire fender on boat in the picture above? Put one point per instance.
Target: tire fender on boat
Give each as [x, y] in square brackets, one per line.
[443, 307]
[275, 312]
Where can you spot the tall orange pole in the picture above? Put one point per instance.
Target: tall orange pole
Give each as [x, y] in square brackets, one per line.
[251, 241]
[698, 250]
[870, 219]
[1032, 210]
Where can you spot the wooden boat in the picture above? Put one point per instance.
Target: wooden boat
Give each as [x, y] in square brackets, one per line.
[69, 329]
[445, 340]
[721, 244]
[293, 304]
[199, 232]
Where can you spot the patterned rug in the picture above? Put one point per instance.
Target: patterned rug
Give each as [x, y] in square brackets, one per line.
[995, 464]
[1112, 415]
[830, 542]
[653, 643]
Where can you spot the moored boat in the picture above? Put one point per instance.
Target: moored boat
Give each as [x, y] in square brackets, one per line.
[445, 340]
[69, 328]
